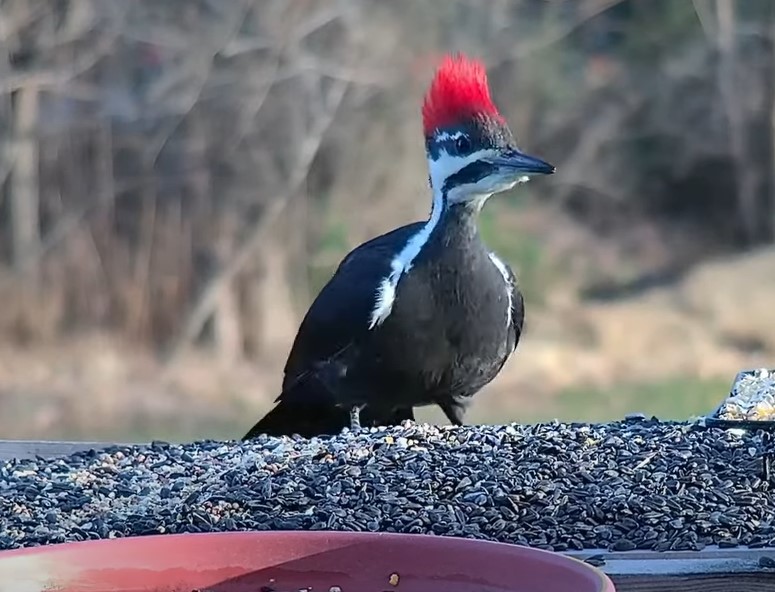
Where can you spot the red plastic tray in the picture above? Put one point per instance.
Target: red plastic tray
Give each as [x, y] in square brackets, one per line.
[295, 561]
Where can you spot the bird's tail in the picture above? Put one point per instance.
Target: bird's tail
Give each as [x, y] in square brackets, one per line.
[307, 419]
[314, 413]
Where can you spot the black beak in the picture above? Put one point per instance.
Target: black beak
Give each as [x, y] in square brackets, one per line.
[522, 164]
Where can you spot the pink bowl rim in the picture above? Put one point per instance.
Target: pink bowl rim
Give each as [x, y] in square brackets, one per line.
[604, 583]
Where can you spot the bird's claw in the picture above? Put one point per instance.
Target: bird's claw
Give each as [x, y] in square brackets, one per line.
[355, 419]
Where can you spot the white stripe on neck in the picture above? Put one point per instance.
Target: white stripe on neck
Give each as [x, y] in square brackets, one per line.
[504, 271]
[440, 170]
[401, 263]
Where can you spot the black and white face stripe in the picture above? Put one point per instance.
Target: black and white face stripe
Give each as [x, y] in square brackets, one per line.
[458, 160]
[479, 133]
[470, 174]
[453, 170]
[457, 143]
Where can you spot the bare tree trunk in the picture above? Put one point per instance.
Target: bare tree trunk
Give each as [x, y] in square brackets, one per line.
[139, 305]
[227, 330]
[225, 320]
[23, 190]
[772, 133]
[744, 176]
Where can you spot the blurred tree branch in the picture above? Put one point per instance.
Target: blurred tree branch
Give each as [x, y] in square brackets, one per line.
[321, 106]
[583, 11]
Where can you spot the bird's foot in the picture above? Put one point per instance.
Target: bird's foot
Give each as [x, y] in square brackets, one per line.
[355, 418]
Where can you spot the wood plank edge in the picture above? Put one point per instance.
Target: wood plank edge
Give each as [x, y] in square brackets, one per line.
[709, 561]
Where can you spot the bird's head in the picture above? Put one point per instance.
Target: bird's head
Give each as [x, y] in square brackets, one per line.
[471, 150]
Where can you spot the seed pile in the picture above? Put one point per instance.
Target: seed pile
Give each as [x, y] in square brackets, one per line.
[752, 397]
[629, 485]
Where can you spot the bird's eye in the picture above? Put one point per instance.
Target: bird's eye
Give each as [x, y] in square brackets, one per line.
[462, 144]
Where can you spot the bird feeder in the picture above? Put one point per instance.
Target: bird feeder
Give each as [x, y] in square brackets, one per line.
[295, 562]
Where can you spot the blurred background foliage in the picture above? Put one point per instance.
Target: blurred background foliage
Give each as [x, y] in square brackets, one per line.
[180, 177]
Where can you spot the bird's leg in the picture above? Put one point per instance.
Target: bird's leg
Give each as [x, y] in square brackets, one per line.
[355, 418]
[454, 411]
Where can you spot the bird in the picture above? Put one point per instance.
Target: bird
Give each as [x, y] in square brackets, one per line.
[425, 314]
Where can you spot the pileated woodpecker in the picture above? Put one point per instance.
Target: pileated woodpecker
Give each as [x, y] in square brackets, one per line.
[425, 314]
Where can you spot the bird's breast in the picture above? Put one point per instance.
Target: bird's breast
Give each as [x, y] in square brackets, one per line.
[460, 304]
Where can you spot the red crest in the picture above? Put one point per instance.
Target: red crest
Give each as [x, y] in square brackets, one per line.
[459, 91]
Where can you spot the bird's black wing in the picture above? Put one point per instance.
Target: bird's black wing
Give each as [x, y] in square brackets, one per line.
[339, 316]
[517, 313]
[337, 320]
[517, 308]
[517, 304]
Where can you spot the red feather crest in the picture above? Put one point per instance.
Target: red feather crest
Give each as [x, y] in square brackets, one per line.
[458, 92]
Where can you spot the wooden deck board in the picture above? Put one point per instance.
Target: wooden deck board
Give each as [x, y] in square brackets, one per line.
[47, 449]
[712, 569]
[709, 570]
